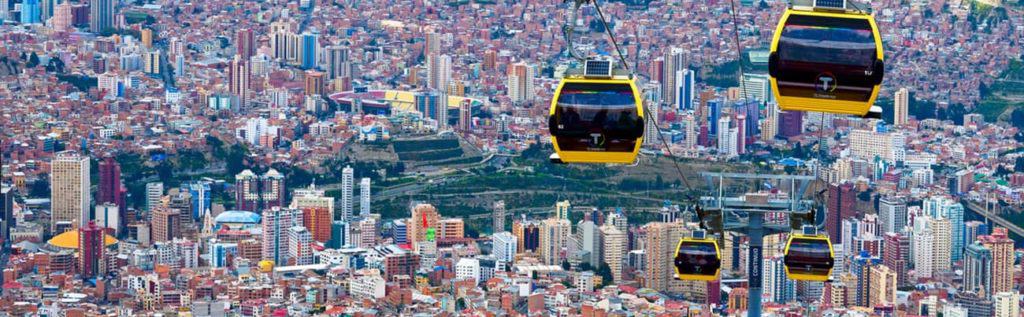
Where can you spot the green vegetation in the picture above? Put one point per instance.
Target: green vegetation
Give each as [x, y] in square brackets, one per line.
[83, 83]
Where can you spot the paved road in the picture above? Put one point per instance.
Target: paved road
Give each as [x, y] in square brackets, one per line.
[980, 210]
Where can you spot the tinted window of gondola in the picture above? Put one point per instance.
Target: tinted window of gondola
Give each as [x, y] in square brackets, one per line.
[826, 58]
[597, 117]
[809, 257]
[697, 258]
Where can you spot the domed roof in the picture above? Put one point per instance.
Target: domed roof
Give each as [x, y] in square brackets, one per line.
[69, 240]
[237, 216]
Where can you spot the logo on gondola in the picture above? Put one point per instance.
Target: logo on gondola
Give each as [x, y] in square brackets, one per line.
[826, 82]
[596, 140]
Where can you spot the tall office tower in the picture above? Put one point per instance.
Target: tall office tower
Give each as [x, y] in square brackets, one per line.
[505, 248]
[940, 206]
[892, 212]
[314, 83]
[247, 192]
[675, 60]
[841, 201]
[690, 128]
[439, 71]
[338, 62]
[272, 189]
[562, 209]
[154, 192]
[770, 126]
[317, 221]
[310, 46]
[725, 142]
[147, 38]
[31, 11]
[347, 180]
[757, 87]
[368, 233]
[441, 111]
[432, 43]
[896, 255]
[200, 199]
[62, 18]
[424, 218]
[1007, 304]
[465, 115]
[109, 217]
[901, 107]
[7, 220]
[312, 198]
[554, 239]
[47, 9]
[101, 15]
[614, 247]
[300, 251]
[932, 242]
[791, 123]
[69, 190]
[520, 82]
[151, 62]
[973, 230]
[1001, 247]
[364, 197]
[110, 188]
[588, 240]
[741, 134]
[659, 250]
[651, 123]
[280, 33]
[978, 270]
[90, 250]
[276, 222]
[166, 224]
[498, 217]
[686, 89]
[881, 287]
[777, 286]
[239, 80]
[619, 220]
[527, 236]
[245, 43]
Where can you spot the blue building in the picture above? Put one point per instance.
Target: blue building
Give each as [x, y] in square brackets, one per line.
[31, 12]
[399, 232]
[199, 191]
[219, 253]
[714, 112]
[945, 207]
[309, 47]
[429, 102]
[339, 231]
[686, 88]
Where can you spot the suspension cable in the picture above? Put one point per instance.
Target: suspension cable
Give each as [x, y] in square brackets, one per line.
[611, 35]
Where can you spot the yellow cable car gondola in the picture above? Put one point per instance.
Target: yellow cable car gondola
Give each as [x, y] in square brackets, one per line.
[698, 258]
[596, 117]
[827, 60]
[809, 256]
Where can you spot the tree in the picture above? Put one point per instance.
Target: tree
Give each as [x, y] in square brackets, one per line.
[565, 265]
[1018, 165]
[606, 273]
[33, 60]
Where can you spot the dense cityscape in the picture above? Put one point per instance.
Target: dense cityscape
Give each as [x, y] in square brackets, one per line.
[356, 158]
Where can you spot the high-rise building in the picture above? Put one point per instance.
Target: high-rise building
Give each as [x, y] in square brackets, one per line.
[613, 245]
[588, 241]
[200, 198]
[154, 191]
[978, 270]
[841, 201]
[31, 11]
[777, 285]
[527, 236]
[451, 228]
[317, 221]
[101, 15]
[90, 250]
[166, 224]
[770, 127]
[520, 82]
[940, 206]
[69, 190]
[314, 83]
[757, 87]
[505, 247]
[151, 62]
[368, 232]
[465, 115]
[7, 220]
[674, 61]
[554, 238]
[347, 185]
[901, 106]
[659, 248]
[1007, 304]
[686, 89]
[896, 255]
[498, 217]
[433, 105]
[892, 212]
[931, 247]
[562, 209]
[1001, 247]
[110, 188]
[108, 216]
[439, 71]
[300, 251]
[364, 196]
[432, 43]
[276, 222]
[312, 198]
[239, 76]
[147, 37]
[338, 63]
[62, 19]
[882, 287]
[424, 218]
[247, 191]
[310, 46]
[245, 43]
[651, 110]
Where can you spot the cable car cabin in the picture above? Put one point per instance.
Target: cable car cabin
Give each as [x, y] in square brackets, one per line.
[808, 257]
[698, 259]
[826, 61]
[596, 120]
